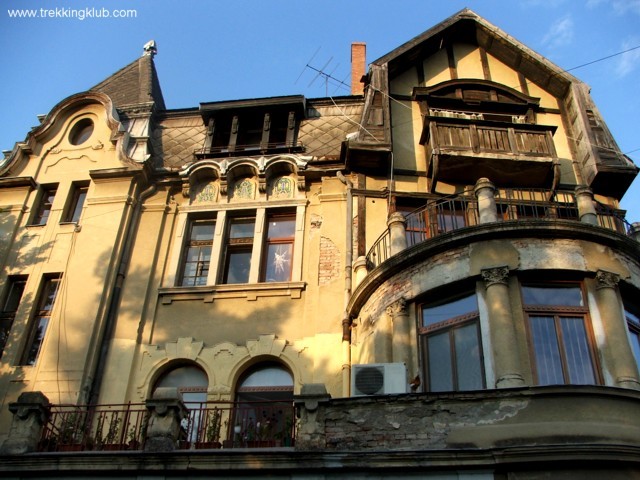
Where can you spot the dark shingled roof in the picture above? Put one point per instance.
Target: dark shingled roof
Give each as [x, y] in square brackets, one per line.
[135, 83]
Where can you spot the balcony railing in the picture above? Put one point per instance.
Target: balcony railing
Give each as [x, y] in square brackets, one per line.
[462, 134]
[249, 149]
[209, 425]
[446, 214]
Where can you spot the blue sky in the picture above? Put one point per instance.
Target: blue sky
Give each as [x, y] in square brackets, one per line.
[212, 50]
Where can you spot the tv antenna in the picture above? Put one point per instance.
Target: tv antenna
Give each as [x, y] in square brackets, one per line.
[322, 73]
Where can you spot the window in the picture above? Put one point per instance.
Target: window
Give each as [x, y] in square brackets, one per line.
[81, 131]
[197, 253]
[74, 207]
[43, 209]
[239, 245]
[264, 414]
[278, 248]
[40, 322]
[14, 290]
[451, 346]
[560, 336]
[633, 323]
[192, 383]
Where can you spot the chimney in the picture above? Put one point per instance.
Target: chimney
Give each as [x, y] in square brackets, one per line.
[358, 67]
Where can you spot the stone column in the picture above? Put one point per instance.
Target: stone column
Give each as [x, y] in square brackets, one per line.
[586, 208]
[506, 360]
[619, 358]
[402, 346]
[30, 413]
[166, 413]
[397, 233]
[359, 271]
[485, 193]
[310, 434]
[634, 232]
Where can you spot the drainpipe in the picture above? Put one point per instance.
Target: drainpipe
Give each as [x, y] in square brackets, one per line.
[346, 323]
[90, 390]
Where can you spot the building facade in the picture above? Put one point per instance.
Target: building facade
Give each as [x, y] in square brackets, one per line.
[428, 278]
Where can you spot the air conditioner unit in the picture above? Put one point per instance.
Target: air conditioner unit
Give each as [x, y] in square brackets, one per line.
[378, 379]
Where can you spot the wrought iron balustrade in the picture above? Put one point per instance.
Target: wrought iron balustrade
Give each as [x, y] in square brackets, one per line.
[249, 149]
[209, 425]
[453, 212]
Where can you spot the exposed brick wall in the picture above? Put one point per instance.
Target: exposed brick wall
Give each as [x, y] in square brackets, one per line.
[329, 266]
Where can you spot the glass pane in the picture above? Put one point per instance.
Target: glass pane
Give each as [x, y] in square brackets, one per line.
[278, 263]
[40, 329]
[439, 312]
[546, 350]
[202, 231]
[631, 317]
[81, 195]
[16, 289]
[242, 228]
[553, 295]
[283, 227]
[635, 344]
[239, 264]
[468, 358]
[268, 376]
[440, 368]
[576, 347]
[49, 294]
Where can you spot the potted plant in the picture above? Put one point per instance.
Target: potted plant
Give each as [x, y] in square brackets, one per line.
[211, 437]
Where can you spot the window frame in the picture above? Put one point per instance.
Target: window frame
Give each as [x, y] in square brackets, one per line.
[75, 203]
[557, 312]
[269, 241]
[239, 245]
[7, 314]
[189, 243]
[40, 318]
[44, 205]
[632, 317]
[449, 326]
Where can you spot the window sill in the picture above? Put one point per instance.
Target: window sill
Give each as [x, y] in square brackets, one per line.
[248, 291]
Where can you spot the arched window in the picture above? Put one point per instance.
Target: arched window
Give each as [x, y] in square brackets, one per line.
[192, 382]
[264, 407]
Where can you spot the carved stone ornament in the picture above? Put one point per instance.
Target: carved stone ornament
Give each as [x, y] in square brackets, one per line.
[497, 275]
[186, 188]
[398, 307]
[607, 279]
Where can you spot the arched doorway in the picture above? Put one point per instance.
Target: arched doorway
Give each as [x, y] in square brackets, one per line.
[264, 415]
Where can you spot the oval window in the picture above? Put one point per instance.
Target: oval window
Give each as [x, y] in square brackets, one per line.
[81, 131]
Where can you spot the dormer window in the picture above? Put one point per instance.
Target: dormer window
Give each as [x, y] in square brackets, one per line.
[251, 127]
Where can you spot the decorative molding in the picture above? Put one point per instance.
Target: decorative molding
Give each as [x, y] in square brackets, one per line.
[493, 276]
[399, 307]
[606, 279]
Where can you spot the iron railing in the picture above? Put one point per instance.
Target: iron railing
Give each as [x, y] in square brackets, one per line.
[250, 149]
[209, 425]
[453, 212]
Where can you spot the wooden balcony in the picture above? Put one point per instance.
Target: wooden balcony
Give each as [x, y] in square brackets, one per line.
[463, 150]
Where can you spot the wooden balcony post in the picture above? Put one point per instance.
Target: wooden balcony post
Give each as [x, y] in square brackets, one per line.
[586, 208]
[166, 413]
[397, 233]
[485, 193]
[30, 413]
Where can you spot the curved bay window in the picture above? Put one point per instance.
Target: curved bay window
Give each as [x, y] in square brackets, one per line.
[264, 415]
[560, 336]
[451, 346]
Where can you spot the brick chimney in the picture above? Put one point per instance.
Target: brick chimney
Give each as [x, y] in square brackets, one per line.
[358, 67]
